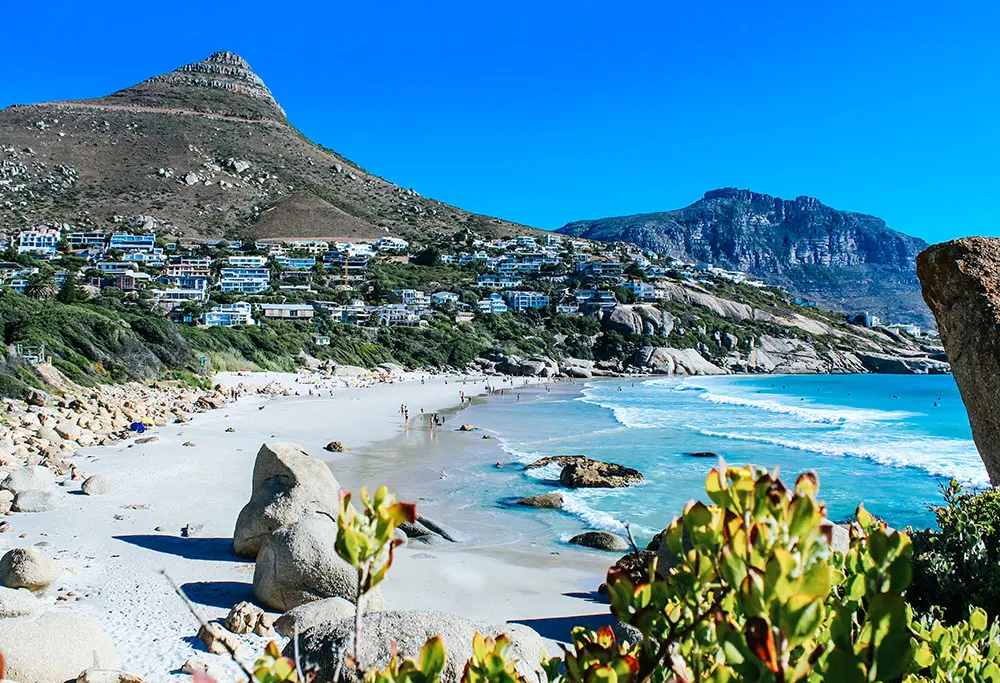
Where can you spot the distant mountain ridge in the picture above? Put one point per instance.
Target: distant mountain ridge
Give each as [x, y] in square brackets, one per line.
[849, 261]
[201, 151]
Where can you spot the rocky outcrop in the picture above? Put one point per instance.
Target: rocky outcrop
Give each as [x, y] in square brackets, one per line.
[864, 265]
[407, 632]
[669, 361]
[961, 284]
[289, 485]
[587, 473]
[532, 366]
[601, 540]
[552, 500]
[902, 365]
[638, 320]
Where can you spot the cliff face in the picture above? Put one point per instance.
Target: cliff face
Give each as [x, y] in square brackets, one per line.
[849, 261]
[961, 283]
[202, 150]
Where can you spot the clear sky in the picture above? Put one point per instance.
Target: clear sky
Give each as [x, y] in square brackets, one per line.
[547, 112]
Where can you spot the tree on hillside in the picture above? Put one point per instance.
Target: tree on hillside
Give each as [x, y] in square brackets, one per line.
[41, 286]
[430, 256]
[70, 292]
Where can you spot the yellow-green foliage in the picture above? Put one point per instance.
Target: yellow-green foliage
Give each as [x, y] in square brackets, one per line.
[491, 662]
[366, 540]
[427, 669]
[273, 668]
[754, 594]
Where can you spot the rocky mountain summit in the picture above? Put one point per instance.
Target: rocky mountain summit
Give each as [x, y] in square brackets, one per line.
[204, 150]
[849, 261]
[217, 78]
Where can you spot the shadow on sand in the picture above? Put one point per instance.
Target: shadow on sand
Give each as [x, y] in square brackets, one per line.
[222, 594]
[191, 548]
[559, 628]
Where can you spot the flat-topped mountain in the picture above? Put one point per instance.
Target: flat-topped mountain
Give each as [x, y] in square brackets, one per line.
[203, 150]
[849, 261]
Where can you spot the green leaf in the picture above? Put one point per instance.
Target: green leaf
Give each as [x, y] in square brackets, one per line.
[891, 638]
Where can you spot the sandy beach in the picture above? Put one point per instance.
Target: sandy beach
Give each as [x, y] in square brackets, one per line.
[115, 546]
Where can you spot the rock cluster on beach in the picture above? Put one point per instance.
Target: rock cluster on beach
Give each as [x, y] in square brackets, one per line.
[49, 429]
[39, 438]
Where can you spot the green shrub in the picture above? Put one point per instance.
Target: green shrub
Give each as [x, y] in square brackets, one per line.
[958, 565]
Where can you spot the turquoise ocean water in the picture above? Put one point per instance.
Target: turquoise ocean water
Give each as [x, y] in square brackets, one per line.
[889, 441]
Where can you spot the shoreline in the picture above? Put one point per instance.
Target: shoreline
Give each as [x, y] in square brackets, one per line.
[114, 547]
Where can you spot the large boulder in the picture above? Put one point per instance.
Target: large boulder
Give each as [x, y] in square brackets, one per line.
[601, 540]
[669, 361]
[288, 485]
[28, 568]
[17, 602]
[35, 501]
[310, 614]
[552, 500]
[408, 631]
[588, 473]
[53, 648]
[299, 563]
[961, 285]
[97, 485]
[31, 478]
[622, 319]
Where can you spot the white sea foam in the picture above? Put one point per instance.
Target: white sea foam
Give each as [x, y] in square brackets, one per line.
[942, 457]
[827, 415]
[578, 504]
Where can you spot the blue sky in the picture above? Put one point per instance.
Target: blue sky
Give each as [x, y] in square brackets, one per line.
[545, 113]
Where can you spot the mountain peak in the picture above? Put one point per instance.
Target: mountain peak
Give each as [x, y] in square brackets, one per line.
[223, 83]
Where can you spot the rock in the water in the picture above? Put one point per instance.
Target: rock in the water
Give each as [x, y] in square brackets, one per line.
[545, 500]
[560, 460]
[28, 568]
[17, 602]
[703, 454]
[309, 614]
[299, 563]
[961, 284]
[466, 428]
[35, 501]
[32, 478]
[335, 447]
[288, 485]
[53, 647]
[596, 474]
[601, 540]
[409, 631]
[97, 485]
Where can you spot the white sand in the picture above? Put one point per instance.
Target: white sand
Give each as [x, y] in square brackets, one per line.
[114, 555]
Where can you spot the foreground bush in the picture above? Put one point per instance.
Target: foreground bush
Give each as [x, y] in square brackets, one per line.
[959, 565]
[754, 593]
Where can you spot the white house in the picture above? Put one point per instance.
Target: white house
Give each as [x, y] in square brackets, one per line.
[229, 315]
[245, 280]
[41, 241]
